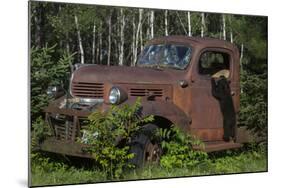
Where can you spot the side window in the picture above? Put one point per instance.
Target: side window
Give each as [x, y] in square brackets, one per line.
[214, 64]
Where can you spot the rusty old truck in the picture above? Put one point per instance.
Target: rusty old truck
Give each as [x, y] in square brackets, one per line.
[173, 77]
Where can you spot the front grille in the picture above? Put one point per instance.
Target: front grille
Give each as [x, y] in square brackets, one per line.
[64, 128]
[141, 92]
[87, 90]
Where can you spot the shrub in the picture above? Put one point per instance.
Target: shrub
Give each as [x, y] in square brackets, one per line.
[40, 131]
[46, 71]
[109, 135]
[178, 149]
[253, 112]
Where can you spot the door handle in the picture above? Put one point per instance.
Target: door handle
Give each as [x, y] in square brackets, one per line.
[232, 93]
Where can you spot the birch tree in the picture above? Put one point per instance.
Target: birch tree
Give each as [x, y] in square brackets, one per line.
[223, 27]
[152, 24]
[133, 41]
[137, 36]
[100, 46]
[189, 24]
[181, 23]
[230, 28]
[122, 26]
[37, 16]
[203, 24]
[141, 39]
[94, 44]
[166, 23]
[81, 50]
[109, 39]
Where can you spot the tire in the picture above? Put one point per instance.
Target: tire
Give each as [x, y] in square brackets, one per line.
[145, 148]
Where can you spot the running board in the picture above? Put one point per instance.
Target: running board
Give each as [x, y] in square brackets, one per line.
[217, 146]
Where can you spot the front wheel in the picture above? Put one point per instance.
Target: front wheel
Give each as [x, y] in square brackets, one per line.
[145, 148]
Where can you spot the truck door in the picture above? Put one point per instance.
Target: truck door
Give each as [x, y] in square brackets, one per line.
[207, 119]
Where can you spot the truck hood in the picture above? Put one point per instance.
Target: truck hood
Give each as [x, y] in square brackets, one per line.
[124, 74]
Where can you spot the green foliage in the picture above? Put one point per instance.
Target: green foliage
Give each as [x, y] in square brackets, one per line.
[46, 71]
[106, 129]
[40, 131]
[178, 151]
[253, 113]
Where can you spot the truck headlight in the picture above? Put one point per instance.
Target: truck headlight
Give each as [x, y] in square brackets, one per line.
[55, 91]
[114, 95]
[52, 90]
[117, 95]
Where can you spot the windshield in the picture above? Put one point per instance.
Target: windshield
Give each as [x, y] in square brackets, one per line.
[165, 55]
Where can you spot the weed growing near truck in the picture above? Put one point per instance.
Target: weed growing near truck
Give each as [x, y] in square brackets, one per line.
[178, 149]
[109, 135]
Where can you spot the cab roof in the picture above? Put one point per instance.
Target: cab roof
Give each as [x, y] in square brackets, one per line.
[193, 41]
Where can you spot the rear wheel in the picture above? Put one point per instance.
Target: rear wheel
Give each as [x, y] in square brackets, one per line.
[145, 148]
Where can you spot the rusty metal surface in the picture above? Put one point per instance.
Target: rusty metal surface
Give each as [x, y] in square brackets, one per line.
[192, 108]
[64, 147]
[218, 146]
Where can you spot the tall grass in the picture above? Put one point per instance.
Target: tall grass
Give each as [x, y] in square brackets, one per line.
[51, 170]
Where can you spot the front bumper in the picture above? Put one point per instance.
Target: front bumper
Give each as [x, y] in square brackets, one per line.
[65, 147]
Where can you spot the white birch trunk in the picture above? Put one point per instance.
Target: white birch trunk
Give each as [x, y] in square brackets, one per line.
[122, 26]
[137, 36]
[203, 25]
[67, 43]
[189, 24]
[181, 23]
[231, 36]
[241, 53]
[230, 26]
[79, 39]
[100, 47]
[166, 23]
[223, 27]
[141, 39]
[94, 44]
[109, 40]
[133, 42]
[151, 24]
[241, 64]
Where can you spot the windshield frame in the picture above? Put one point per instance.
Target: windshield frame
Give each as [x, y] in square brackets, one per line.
[161, 65]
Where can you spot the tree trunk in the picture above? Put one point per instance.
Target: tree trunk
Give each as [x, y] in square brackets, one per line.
[181, 23]
[189, 24]
[223, 27]
[166, 23]
[38, 22]
[79, 40]
[231, 36]
[241, 64]
[241, 53]
[133, 42]
[141, 40]
[137, 36]
[148, 27]
[203, 25]
[121, 55]
[230, 26]
[109, 39]
[151, 24]
[100, 47]
[94, 44]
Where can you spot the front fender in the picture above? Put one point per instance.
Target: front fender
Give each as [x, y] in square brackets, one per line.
[166, 110]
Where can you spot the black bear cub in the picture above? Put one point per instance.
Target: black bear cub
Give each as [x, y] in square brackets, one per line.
[221, 91]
